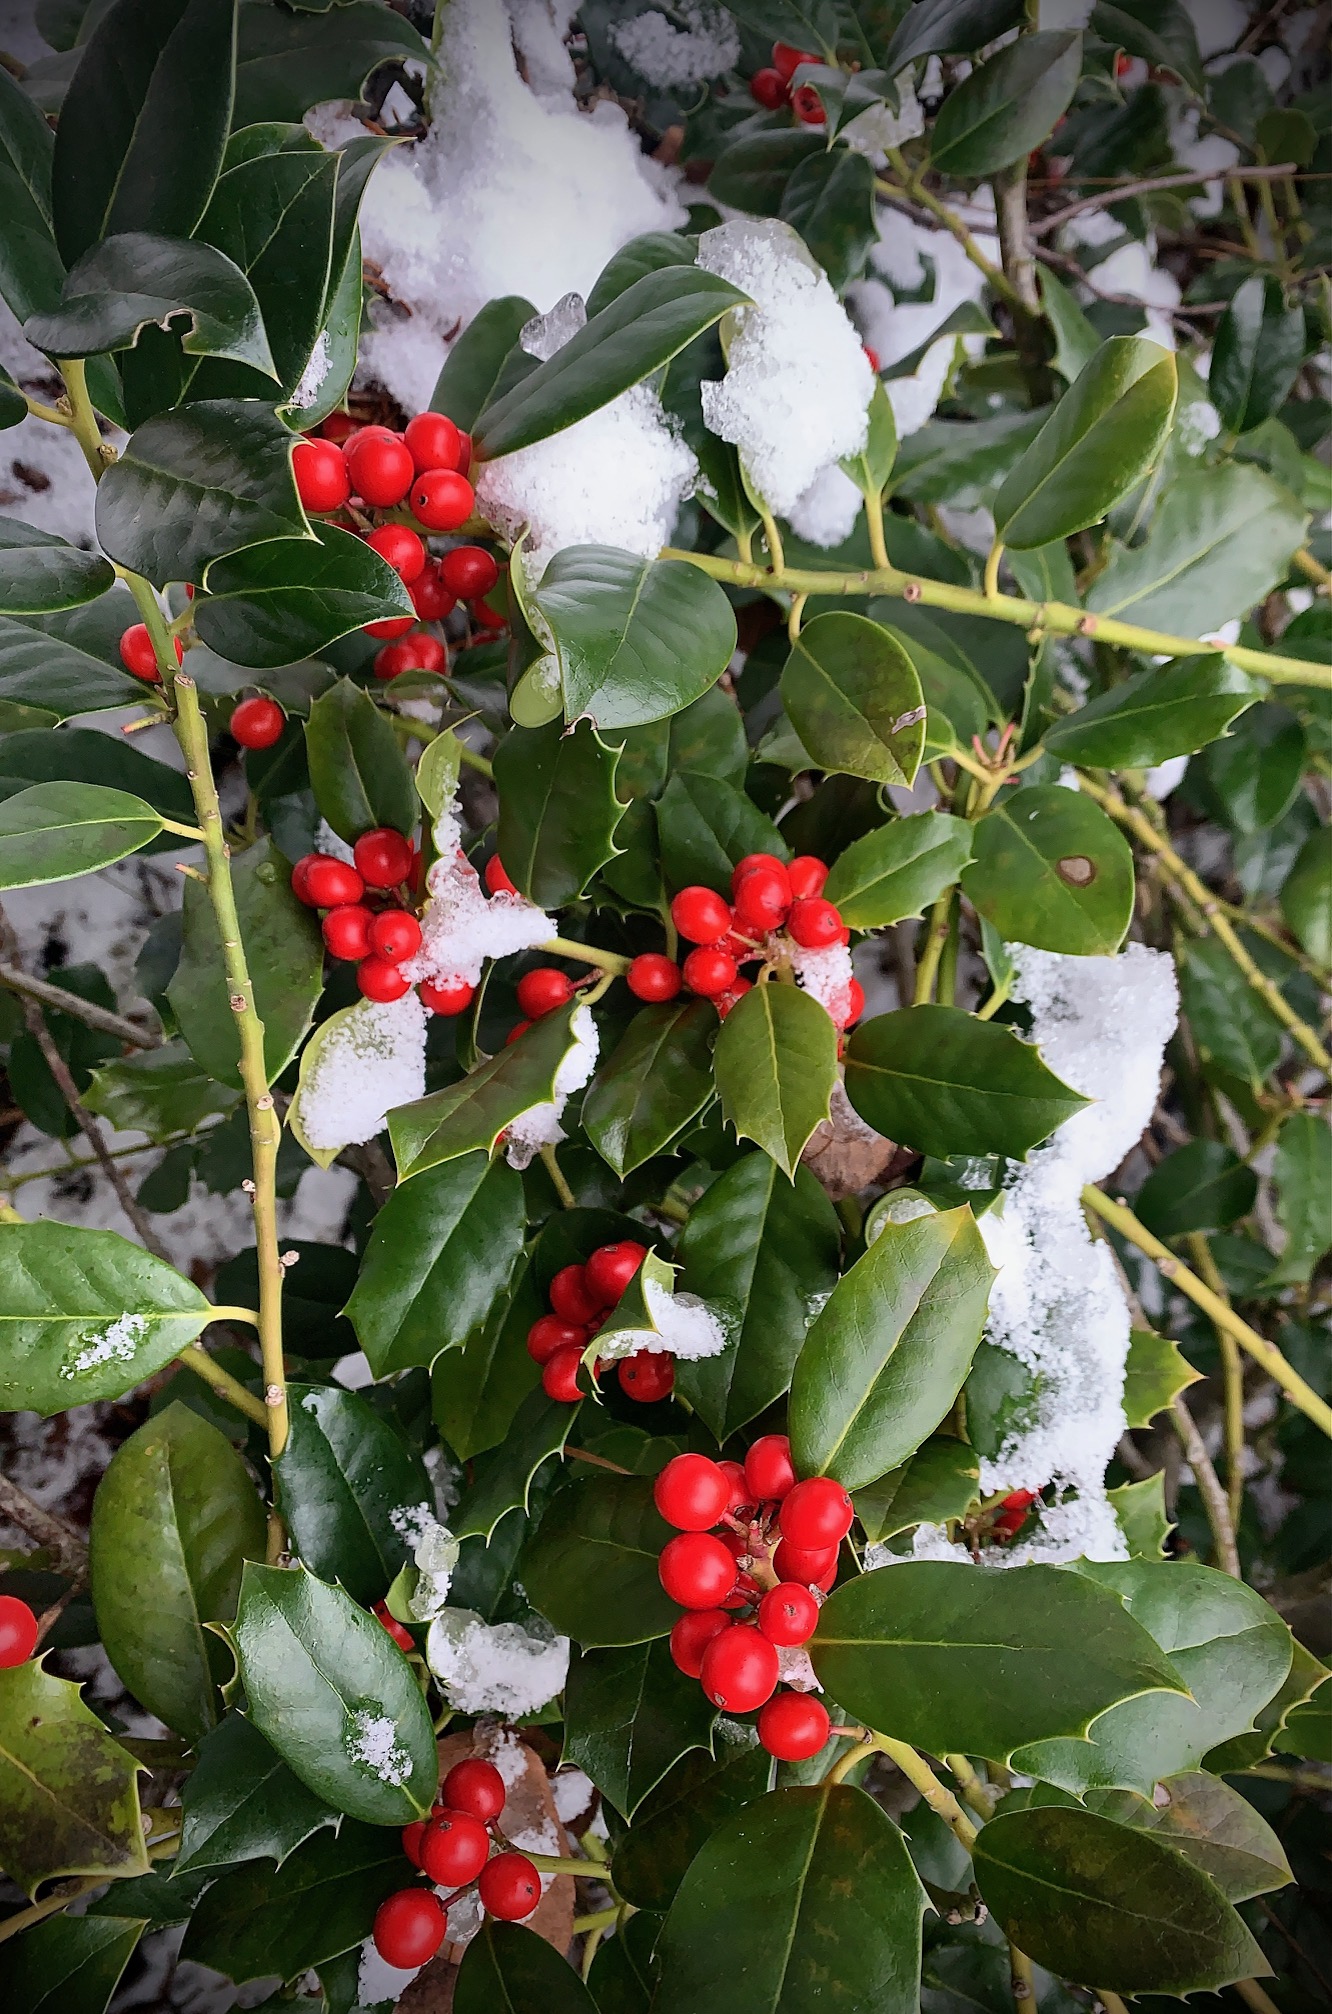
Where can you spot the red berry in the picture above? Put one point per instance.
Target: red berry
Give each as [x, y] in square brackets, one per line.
[762, 898]
[696, 1570]
[496, 880]
[816, 1568]
[647, 1376]
[393, 660]
[380, 467]
[395, 934]
[543, 991]
[816, 1514]
[793, 1726]
[708, 972]
[691, 1636]
[453, 999]
[338, 427]
[1123, 63]
[383, 857]
[518, 1028]
[510, 1887]
[768, 1468]
[469, 572]
[455, 1848]
[548, 1334]
[610, 1269]
[430, 598]
[320, 469]
[300, 886]
[1020, 1499]
[137, 653]
[401, 1635]
[347, 931]
[433, 442]
[391, 626]
[399, 547]
[486, 616]
[411, 1840]
[871, 358]
[700, 915]
[741, 1495]
[475, 1786]
[441, 500]
[814, 923]
[559, 1377]
[691, 1492]
[739, 1669]
[787, 58]
[768, 88]
[749, 863]
[806, 876]
[379, 979]
[787, 1613]
[855, 1003]
[725, 1001]
[330, 882]
[258, 723]
[409, 1927]
[653, 976]
[18, 1632]
[808, 106]
[570, 1297]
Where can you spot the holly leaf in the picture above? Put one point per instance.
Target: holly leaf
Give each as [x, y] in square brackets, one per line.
[160, 1092]
[1256, 357]
[39, 572]
[1052, 869]
[358, 772]
[557, 809]
[1156, 1373]
[629, 1714]
[938, 1482]
[1175, 710]
[69, 1794]
[286, 61]
[591, 1569]
[1007, 106]
[656, 1079]
[941, 1081]
[502, 1477]
[852, 695]
[291, 598]
[508, 1966]
[70, 1964]
[349, 1487]
[1302, 1178]
[57, 831]
[949, 28]
[705, 826]
[241, 1802]
[679, 1814]
[1211, 1824]
[1201, 1186]
[899, 869]
[775, 1065]
[477, 1390]
[473, 1113]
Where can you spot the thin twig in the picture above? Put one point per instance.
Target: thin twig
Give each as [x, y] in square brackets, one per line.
[87, 1011]
[1149, 187]
[1209, 1488]
[1232, 1366]
[68, 1549]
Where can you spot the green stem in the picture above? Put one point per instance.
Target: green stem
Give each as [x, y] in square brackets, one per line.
[991, 585]
[1232, 1367]
[874, 519]
[471, 760]
[185, 831]
[222, 1382]
[936, 936]
[915, 191]
[588, 954]
[937, 1795]
[568, 1200]
[1023, 1979]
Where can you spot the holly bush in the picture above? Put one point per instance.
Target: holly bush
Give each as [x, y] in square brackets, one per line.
[794, 1488]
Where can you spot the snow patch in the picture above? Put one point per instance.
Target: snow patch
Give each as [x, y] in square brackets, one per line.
[372, 1059]
[372, 1741]
[115, 1344]
[539, 1126]
[667, 56]
[495, 1667]
[686, 1327]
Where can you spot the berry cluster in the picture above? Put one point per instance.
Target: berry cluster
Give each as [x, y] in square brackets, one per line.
[366, 920]
[753, 1587]
[452, 1849]
[772, 88]
[580, 1298]
[18, 1632]
[768, 897]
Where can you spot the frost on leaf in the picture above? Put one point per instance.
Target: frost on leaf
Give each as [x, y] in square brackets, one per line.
[361, 1064]
[540, 1126]
[114, 1344]
[704, 47]
[462, 926]
[372, 1741]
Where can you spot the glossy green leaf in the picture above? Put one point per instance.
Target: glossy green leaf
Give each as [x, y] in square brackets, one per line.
[752, 174]
[830, 201]
[1257, 354]
[82, 755]
[557, 809]
[783, 1886]
[1229, 1648]
[52, 666]
[775, 1065]
[634, 335]
[56, 831]
[70, 1964]
[1160, 31]
[1008, 105]
[650, 252]
[697, 1794]
[948, 28]
[241, 1802]
[1156, 1372]
[939, 1080]
[1175, 710]
[655, 1080]
[871, 468]
[1219, 540]
[348, 1485]
[174, 1519]
[936, 1483]
[1306, 896]
[472, 1113]
[1201, 1186]
[635, 639]
[502, 1477]
[1091, 1899]
[899, 869]
[591, 1570]
[1211, 1824]
[39, 572]
[477, 1390]
[441, 1252]
[333, 1694]
[481, 359]
[158, 1092]
[358, 772]
[1140, 1513]
[507, 1967]
[31, 269]
[250, 1926]
[285, 955]
[1302, 1179]
[1052, 869]
[122, 161]
[290, 598]
[1076, 340]
[629, 1715]
[1235, 1031]
[763, 1252]
[86, 1315]
[1099, 442]
[196, 483]
[891, 1349]
[705, 826]
[287, 61]
[852, 695]
[1250, 780]
[953, 1660]
[69, 1796]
